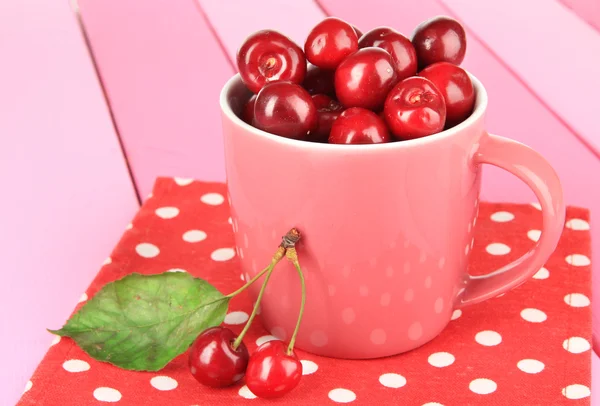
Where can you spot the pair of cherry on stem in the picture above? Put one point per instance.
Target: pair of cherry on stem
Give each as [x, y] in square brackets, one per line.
[218, 358]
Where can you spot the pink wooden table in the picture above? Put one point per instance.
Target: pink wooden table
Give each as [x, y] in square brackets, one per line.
[162, 64]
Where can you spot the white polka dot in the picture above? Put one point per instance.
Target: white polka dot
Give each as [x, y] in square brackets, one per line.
[104, 394]
[75, 365]
[129, 226]
[409, 295]
[83, 297]
[432, 404]
[534, 235]
[341, 395]
[533, 315]
[229, 220]
[107, 261]
[213, 199]
[441, 359]
[246, 393]
[147, 250]
[363, 290]
[456, 314]
[348, 315]
[541, 274]
[235, 226]
[497, 248]
[578, 260]
[318, 338]
[385, 300]
[482, 386]
[467, 248]
[163, 382]
[576, 391]
[183, 181]
[406, 268]
[265, 339]
[502, 216]
[55, 341]
[530, 366]
[28, 386]
[428, 282]
[194, 236]
[577, 300]
[392, 380]
[176, 270]
[415, 331]
[167, 212]
[308, 367]
[537, 205]
[222, 254]
[331, 290]
[438, 306]
[578, 224]
[237, 317]
[378, 336]
[279, 332]
[488, 338]
[150, 195]
[576, 345]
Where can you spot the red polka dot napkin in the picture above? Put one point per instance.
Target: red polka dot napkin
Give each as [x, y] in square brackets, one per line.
[530, 346]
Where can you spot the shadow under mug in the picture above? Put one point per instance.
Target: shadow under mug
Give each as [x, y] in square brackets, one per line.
[387, 228]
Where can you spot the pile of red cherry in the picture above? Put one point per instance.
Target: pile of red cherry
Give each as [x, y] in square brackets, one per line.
[357, 89]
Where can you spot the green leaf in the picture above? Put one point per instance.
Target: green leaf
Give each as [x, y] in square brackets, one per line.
[142, 322]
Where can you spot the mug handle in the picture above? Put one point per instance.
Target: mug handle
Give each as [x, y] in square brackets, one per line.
[536, 172]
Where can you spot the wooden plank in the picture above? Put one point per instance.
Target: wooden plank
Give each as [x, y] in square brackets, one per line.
[162, 70]
[67, 195]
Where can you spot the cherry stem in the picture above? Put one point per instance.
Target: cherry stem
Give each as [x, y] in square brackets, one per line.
[292, 255]
[276, 258]
[250, 282]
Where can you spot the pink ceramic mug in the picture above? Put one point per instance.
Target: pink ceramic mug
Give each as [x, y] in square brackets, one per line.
[386, 228]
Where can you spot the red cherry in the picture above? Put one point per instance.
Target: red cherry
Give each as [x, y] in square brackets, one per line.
[214, 362]
[364, 78]
[456, 88]
[399, 47]
[248, 112]
[358, 126]
[285, 108]
[268, 56]
[358, 32]
[271, 371]
[440, 39]
[330, 42]
[319, 81]
[328, 110]
[415, 108]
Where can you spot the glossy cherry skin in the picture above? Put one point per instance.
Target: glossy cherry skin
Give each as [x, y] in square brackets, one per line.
[319, 81]
[359, 126]
[268, 56]
[248, 112]
[328, 110]
[286, 109]
[399, 47]
[214, 362]
[330, 42]
[364, 78]
[415, 108]
[358, 32]
[456, 88]
[440, 39]
[271, 372]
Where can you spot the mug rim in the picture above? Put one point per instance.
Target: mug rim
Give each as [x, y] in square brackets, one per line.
[481, 101]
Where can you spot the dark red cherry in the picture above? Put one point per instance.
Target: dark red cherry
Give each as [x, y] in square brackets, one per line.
[248, 112]
[272, 372]
[364, 78]
[214, 362]
[415, 108]
[328, 110]
[268, 56]
[399, 47]
[285, 108]
[319, 81]
[358, 32]
[440, 39]
[358, 126]
[330, 42]
[456, 88]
